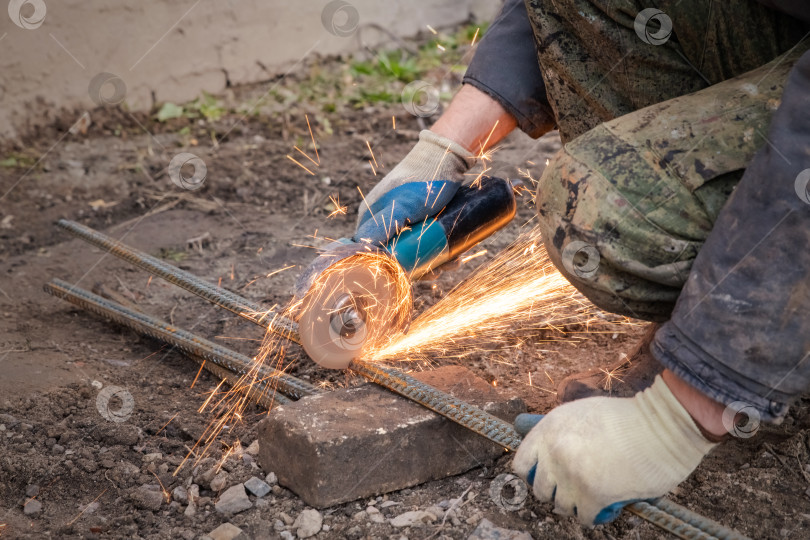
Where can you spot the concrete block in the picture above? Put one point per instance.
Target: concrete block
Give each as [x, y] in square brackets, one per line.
[353, 443]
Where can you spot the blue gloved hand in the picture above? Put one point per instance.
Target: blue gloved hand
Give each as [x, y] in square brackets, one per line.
[416, 189]
[594, 456]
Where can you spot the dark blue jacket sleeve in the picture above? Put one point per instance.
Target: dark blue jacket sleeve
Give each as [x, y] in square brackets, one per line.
[796, 8]
[505, 68]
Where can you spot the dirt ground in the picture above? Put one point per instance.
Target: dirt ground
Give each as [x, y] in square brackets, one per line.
[257, 212]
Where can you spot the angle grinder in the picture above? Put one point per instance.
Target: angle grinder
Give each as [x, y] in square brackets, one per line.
[356, 294]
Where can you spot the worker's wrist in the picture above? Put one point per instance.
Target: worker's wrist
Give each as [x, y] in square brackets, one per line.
[706, 412]
[474, 120]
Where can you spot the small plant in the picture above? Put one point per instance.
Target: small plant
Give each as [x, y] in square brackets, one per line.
[207, 106]
[17, 160]
[176, 255]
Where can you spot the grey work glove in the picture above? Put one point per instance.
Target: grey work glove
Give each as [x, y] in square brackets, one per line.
[416, 189]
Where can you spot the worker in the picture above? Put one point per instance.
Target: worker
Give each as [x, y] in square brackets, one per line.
[684, 174]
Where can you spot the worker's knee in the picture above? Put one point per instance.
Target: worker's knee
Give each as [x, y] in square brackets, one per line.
[626, 206]
[606, 241]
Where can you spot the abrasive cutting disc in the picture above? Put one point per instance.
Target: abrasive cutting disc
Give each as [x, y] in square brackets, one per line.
[352, 305]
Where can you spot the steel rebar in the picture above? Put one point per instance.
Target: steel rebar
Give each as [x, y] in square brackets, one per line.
[671, 523]
[470, 416]
[707, 525]
[185, 341]
[667, 515]
[216, 295]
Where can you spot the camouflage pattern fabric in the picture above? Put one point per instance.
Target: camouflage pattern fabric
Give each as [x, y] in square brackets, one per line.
[626, 205]
[597, 67]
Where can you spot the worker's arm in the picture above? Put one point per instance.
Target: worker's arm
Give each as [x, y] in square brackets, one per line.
[503, 88]
[505, 67]
[427, 178]
[475, 121]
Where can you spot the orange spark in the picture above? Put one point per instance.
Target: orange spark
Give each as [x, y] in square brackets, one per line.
[166, 496]
[198, 373]
[305, 155]
[205, 404]
[475, 37]
[486, 142]
[274, 272]
[473, 256]
[372, 154]
[339, 210]
[315, 146]
[520, 288]
[299, 164]
[170, 419]
[72, 521]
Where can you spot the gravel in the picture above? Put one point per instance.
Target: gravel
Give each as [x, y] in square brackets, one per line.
[487, 530]
[226, 531]
[148, 497]
[412, 518]
[257, 486]
[32, 507]
[308, 523]
[233, 500]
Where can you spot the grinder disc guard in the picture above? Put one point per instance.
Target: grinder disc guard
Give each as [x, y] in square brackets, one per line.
[356, 302]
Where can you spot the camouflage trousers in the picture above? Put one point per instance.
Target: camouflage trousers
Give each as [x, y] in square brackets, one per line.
[658, 128]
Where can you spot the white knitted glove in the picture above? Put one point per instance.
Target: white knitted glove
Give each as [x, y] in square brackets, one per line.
[416, 189]
[593, 456]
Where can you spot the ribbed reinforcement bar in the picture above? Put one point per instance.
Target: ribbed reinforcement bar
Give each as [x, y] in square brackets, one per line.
[185, 341]
[670, 523]
[666, 514]
[705, 524]
[470, 416]
[185, 280]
